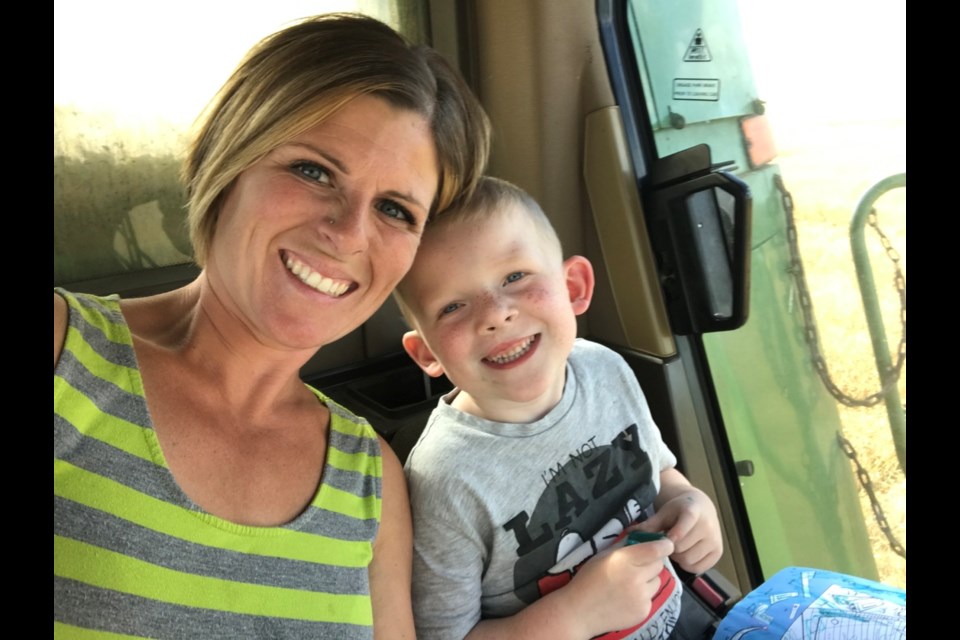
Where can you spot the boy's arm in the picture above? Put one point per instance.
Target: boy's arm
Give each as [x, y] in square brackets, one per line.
[688, 517]
[613, 590]
[447, 576]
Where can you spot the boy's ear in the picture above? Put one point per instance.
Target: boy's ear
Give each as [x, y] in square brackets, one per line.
[579, 276]
[417, 349]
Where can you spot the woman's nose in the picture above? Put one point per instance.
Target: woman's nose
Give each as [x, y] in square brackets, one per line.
[347, 226]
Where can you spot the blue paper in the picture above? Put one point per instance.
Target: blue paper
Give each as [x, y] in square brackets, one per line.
[812, 604]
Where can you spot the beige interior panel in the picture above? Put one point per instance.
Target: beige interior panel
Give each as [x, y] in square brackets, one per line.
[618, 217]
[699, 448]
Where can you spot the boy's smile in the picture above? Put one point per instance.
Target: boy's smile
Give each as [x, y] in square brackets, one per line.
[514, 354]
[494, 309]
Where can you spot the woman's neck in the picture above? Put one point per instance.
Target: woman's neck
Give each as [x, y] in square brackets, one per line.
[191, 326]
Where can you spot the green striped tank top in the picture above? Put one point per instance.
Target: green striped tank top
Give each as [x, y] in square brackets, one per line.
[134, 557]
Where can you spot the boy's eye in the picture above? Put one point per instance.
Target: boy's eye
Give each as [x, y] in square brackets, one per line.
[312, 171]
[450, 308]
[513, 277]
[393, 210]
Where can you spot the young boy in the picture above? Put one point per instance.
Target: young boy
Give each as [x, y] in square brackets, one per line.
[545, 451]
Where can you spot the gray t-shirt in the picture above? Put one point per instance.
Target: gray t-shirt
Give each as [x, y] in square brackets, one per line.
[505, 513]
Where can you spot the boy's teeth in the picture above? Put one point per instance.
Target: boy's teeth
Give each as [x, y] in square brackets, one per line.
[512, 354]
[316, 281]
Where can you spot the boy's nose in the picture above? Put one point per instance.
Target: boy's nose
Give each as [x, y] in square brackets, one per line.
[497, 312]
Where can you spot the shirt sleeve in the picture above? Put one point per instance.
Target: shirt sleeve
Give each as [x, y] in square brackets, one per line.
[651, 440]
[448, 561]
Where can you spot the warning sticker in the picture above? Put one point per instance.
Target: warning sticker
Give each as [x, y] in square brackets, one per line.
[698, 51]
[696, 89]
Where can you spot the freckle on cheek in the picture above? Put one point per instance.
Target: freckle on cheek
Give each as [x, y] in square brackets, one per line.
[538, 295]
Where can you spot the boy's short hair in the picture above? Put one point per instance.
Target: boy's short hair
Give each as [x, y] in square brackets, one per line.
[490, 197]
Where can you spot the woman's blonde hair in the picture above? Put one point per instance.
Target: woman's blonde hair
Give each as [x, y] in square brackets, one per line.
[296, 78]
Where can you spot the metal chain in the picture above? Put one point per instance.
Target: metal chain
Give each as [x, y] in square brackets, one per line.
[900, 282]
[864, 479]
[889, 378]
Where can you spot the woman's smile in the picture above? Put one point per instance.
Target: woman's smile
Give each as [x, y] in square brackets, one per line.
[315, 280]
[334, 216]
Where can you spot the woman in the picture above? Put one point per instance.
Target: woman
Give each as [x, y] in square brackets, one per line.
[200, 488]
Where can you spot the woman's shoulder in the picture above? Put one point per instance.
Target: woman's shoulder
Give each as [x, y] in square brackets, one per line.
[60, 314]
[346, 422]
[78, 308]
[91, 318]
[104, 305]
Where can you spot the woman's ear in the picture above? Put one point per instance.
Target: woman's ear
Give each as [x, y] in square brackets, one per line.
[579, 276]
[417, 349]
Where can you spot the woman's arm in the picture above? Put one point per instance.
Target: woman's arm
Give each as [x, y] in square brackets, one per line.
[59, 327]
[391, 569]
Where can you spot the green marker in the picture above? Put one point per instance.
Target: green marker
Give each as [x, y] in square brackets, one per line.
[642, 536]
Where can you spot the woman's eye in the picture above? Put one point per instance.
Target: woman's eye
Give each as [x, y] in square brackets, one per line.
[513, 277]
[312, 171]
[393, 210]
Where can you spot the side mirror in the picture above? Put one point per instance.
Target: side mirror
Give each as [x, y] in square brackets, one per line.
[700, 222]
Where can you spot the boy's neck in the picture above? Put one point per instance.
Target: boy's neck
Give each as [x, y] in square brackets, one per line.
[508, 411]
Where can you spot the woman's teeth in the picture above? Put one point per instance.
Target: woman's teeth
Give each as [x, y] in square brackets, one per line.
[514, 353]
[316, 281]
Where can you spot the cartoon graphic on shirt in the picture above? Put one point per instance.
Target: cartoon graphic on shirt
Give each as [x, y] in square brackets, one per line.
[609, 484]
[573, 550]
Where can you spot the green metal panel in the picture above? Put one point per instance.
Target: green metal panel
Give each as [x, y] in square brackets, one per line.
[802, 496]
[695, 62]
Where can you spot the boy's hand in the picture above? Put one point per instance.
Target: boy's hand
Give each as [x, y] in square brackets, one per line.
[615, 589]
[689, 519]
